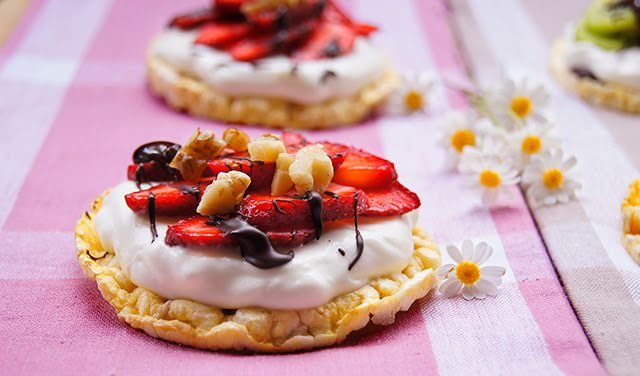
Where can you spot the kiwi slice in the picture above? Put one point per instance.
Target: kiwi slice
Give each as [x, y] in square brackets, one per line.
[603, 18]
[602, 41]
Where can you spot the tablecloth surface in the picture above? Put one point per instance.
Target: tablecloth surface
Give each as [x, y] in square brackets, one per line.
[73, 106]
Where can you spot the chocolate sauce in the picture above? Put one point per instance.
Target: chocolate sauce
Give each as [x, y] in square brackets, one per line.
[359, 240]
[327, 75]
[315, 204]
[157, 151]
[332, 194]
[277, 207]
[151, 210]
[228, 312]
[584, 73]
[294, 69]
[88, 252]
[193, 191]
[251, 163]
[332, 49]
[342, 252]
[255, 246]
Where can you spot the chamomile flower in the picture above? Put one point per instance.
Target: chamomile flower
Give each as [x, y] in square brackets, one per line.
[412, 95]
[517, 103]
[491, 143]
[550, 179]
[467, 276]
[460, 132]
[491, 175]
[532, 140]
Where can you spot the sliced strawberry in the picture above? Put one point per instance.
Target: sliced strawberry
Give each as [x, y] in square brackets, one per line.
[228, 6]
[293, 139]
[261, 173]
[327, 40]
[260, 44]
[269, 212]
[219, 33]
[365, 170]
[198, 231]
[251, 49]
[171, 199]
[395, 199]
[333, 13]
[337, 152]
[364, 29]
[152, 171]
[284, 17]
[193, 20]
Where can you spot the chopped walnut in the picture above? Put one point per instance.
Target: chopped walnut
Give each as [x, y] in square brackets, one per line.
[191, 160]
[236, 139]
[266, 148]
[311, 170]
[281, 182]
[224, 193]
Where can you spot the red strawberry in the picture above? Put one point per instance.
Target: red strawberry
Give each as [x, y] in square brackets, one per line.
[269, 212]
[219, 33]
[293, 140]
[228, 6]
[152, 171]
[171, 199]
[364, 170]
[193, 20]
[364, 29]
[395, 199]
[259, 44]
[261, 173]
[252, 48]
[278, 18]
[337, 152]
[327, 40]
[195, 231]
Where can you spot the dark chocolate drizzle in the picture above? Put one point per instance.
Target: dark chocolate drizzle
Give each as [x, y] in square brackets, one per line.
[88, 252]
[584, 73]
[332, 49]
[157, 151]
[255, 246]
[228, 312]
[315, 204]
[277, 207]
[342, 252]
[328, 74]
[294, 69]
[188, 189]
[359, 240]
[332, 194]
[151, 210]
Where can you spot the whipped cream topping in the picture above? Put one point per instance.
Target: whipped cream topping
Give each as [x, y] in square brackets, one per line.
[621, 67]
[220, 277]
[272, 77]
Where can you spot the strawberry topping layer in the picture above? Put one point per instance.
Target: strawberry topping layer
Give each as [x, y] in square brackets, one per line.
[315, 29]
[363, 185]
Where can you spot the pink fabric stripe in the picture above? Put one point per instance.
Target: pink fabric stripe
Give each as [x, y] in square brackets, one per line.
[539, 285]
[434, 17]
[20, 29]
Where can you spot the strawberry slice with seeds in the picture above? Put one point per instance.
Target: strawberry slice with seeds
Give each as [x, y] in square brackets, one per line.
[171, 199]
[261, 173]
[364, 29]
[327, 40]
[198, 231]
[273, 212]
[365, 170]
[336, 152]
[193, 20]
[284, 17]
[220, 33]
[293, 139]
[395, 199]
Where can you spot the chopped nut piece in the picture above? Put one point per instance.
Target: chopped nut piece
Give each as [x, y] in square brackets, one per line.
[236, 139]
[311, 170]
[281, 182]
[266, 148]
[224, 193]
[191, 160]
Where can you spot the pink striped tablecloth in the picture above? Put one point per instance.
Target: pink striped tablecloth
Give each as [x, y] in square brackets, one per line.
[73, 106]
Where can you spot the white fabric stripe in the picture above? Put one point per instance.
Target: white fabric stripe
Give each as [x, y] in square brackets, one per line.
[451, 213]
[40, 104]
[606, 172]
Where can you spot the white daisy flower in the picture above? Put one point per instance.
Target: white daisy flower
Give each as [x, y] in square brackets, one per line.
[467, 276]
[460, 132]
[412, 94]
[491, 143]
[550, 180]
[517, 103]
[534, 139]
[491, 175]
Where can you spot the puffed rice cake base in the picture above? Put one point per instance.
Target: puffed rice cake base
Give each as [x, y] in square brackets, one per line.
[190, 94]
[631, 221]
[255, 329]
[607, 94]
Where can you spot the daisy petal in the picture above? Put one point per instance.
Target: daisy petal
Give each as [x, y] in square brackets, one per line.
[444, 270]
[466, 292]
[467, 250]
[454, 253]
[487, 287]
[493, 271]
[477, 293]
[483, 252]
[450, 287]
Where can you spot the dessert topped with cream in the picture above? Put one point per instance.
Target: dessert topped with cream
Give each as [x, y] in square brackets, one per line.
[305, 51]
[274, 222]
[605, 44]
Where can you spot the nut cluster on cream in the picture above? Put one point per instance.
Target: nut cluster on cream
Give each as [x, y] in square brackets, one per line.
[506, 139]
[310, 169]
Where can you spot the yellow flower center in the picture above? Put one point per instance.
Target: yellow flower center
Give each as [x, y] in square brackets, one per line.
[461, 138]
[531, 144]
[490, 178]
[521, 106]
[468, 272]
[413, 100]
[553, 178]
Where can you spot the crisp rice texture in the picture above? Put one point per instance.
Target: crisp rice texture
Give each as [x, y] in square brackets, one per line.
[607, 94]
[186, 93]
[631, 221]
[255, 329]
